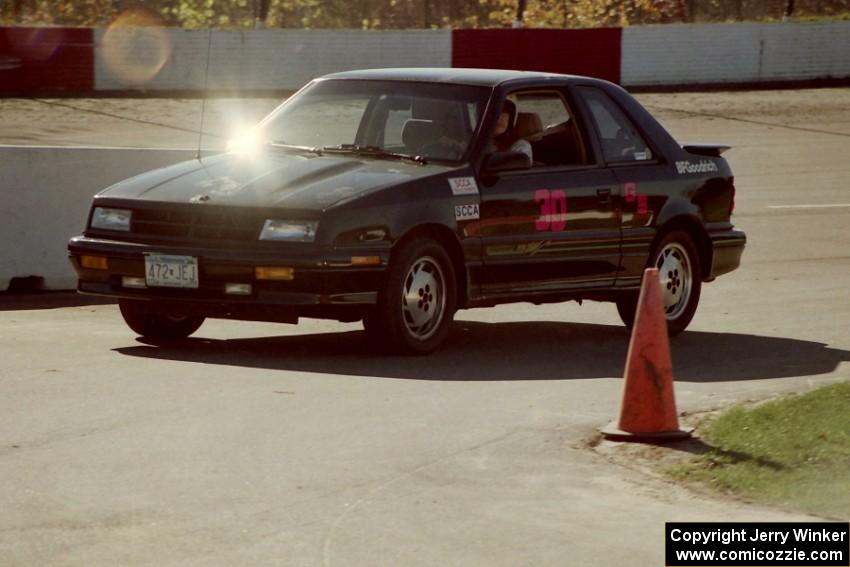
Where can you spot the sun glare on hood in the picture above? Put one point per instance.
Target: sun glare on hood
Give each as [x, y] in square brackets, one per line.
[246, 142]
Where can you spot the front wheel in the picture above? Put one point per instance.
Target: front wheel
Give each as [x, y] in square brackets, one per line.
[678, 264]
[417, 303]
[156, 322]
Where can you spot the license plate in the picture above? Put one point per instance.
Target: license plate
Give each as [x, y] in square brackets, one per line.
[171, 271]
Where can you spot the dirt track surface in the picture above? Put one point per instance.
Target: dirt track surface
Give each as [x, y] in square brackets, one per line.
[149, 122]
[142, 122]
[261, 444]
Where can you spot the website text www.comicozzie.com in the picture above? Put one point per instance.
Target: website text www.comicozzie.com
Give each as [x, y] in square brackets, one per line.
[778, 555]
[815, 544]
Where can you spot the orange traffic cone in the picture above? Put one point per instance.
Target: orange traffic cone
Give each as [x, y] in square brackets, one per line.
[648, 409]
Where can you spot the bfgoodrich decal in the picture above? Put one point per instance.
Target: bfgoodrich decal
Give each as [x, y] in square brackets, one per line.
[703, 166]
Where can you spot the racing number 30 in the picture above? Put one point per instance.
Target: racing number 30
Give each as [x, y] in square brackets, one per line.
[630, 189]
[553, 210]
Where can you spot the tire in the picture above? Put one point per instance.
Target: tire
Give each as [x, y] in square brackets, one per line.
[416, 305]
[679, 268]
[156, 322]
[375, 333]
[627, 307]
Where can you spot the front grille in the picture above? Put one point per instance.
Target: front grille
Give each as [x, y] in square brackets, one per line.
[198, 222]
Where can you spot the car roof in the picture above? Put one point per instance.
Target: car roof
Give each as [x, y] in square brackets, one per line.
[477, 77]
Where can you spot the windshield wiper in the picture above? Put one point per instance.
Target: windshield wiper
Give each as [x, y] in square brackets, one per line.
[285, 146]
[372, 151]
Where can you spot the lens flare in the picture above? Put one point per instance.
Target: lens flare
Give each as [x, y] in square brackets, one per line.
[135, 47]
[35, 44]
[245, 142]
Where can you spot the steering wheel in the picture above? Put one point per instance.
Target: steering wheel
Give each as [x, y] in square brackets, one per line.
[440, 149]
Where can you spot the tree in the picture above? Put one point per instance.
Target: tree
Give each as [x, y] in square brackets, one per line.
[407, 14]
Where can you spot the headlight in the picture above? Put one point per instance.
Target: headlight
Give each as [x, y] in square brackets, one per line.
[111, 219]
[289, 231]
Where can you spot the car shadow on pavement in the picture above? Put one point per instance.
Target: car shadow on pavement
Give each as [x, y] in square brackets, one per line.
[11, 301]
[511, 351]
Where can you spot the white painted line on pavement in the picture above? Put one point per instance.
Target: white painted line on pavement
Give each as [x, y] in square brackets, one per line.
[830, 206]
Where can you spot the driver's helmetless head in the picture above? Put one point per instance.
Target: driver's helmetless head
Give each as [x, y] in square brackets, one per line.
[505, 118]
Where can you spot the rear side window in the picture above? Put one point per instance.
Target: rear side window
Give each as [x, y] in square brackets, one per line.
[620, 139]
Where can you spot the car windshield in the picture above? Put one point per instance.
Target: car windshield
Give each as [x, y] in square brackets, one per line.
[389, 118]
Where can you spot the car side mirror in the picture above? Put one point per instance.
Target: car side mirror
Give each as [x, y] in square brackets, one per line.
[506, 161]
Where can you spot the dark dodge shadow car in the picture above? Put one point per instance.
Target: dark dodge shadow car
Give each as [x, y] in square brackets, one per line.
[387, 196]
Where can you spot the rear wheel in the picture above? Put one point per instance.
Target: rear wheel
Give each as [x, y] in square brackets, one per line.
[157, 322]
[416, 306]
[678, 264]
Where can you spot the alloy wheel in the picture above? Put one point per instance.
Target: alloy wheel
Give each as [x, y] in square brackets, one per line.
[423, 299]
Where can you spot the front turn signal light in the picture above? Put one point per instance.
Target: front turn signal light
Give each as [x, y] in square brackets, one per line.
[94, 262]
[365, 260]
[279, 273]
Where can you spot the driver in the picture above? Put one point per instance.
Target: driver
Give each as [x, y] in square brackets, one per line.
[506, 138]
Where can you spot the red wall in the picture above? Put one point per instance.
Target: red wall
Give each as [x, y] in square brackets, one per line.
[591, 52]
[45, 60]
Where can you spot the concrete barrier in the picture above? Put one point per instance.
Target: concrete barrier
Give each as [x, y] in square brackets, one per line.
[752, 53]
[175, 60]
[45, 196]
[152, 60]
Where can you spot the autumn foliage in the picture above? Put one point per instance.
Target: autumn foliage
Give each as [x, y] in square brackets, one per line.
[406, 14]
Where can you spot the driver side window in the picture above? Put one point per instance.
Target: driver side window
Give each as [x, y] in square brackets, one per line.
[545, 123]
[619, 137]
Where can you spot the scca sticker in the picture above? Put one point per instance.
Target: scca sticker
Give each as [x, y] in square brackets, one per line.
[466, 212]
[463, 185]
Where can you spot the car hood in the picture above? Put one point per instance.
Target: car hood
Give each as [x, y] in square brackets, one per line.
[290, 180]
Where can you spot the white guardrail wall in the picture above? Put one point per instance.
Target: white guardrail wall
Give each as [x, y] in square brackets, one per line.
[45, 196]
[702, 54]
[126, 59]
[254, 60]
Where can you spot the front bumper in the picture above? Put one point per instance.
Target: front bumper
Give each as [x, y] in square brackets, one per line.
[324, 278]
[727, 246]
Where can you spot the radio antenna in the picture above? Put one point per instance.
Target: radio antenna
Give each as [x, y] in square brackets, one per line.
[204, 94]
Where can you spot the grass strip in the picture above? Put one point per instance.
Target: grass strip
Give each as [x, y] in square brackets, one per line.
[793, 452]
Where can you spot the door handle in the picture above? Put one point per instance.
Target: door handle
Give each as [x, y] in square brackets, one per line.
[604, 196]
